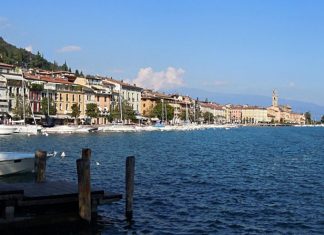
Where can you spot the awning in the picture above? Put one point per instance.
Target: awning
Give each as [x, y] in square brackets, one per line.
[138, 117]
[13, 77]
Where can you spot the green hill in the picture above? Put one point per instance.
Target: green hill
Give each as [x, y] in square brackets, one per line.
[10, 54]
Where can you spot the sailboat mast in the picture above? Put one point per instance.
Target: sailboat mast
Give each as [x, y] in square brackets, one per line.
[162, 115]
[187, 112]
[48, 101]
[23, 100]
[120, 107]
[166, 113]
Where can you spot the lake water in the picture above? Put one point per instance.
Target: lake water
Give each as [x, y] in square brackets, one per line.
[243, 180]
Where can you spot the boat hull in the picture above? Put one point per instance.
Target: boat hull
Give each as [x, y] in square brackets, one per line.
[7, 130]
[16, 166]
[27, 129]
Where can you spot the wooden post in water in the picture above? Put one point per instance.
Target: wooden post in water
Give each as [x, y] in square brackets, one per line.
[83, 169]
[40, 166]
[130, 172]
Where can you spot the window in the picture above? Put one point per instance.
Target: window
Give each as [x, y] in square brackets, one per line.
[98, 98]
[73, 97]
[79, 98]
[67, 97]
[66, 107]
[61, 98]
[61, 106]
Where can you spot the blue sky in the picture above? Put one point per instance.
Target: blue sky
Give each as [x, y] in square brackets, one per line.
[240, 47]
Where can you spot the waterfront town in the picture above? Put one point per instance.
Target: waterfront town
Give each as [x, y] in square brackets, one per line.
[71, 98]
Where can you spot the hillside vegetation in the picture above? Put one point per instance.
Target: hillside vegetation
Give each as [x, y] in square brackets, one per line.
[10, 54]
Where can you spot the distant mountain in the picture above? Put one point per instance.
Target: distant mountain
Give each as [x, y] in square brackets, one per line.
[10, 54]
[297, 106]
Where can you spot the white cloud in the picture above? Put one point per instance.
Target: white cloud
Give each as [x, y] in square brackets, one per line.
[4, 23]
[170, 78]
[29, 48]
[70, 48]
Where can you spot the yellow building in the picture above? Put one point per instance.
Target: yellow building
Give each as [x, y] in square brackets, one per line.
[149, 99]
[254, 115]
[97, 93]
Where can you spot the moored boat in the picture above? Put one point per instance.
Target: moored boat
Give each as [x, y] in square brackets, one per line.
[16, 162]
[7, 129]
[27, 129]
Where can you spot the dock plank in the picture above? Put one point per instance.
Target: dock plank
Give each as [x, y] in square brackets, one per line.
[10, 189]
[51, 193]
[10, 192]
[51, 189]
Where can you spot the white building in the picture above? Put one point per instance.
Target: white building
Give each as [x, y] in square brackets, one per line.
[127, 92]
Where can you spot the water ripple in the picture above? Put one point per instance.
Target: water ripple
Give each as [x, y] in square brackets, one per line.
[243, 181]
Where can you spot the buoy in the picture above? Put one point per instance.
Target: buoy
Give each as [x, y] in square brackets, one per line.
[97, 163]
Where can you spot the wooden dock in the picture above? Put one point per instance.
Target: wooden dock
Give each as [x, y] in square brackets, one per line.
[29, 204]
[45, 203]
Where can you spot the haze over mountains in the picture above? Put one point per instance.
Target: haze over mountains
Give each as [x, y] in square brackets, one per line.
[264, 101]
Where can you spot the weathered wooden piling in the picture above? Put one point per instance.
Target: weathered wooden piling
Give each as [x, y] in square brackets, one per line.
[84, 187]
[40, 166]
[130, 172]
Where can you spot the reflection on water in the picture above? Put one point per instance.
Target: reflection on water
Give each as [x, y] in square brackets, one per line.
[14, 178]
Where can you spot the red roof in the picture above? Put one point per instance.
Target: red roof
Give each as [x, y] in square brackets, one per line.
[46, 78]
[6, 65]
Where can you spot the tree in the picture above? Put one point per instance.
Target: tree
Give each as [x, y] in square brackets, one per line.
[128, 112]
[77, 73]
[208, 117]
[308, 118]
[65, 67]
[45, 107]
[192, 116]
[92, 110]
[168, 111]
[322, 119]
[75, 111]
[19, 109]
[114, 114]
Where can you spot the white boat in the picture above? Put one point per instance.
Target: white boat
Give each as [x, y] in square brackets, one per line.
[68, 129]
[7, 129]
[15, 162]
[27, 129]
[117, 128]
